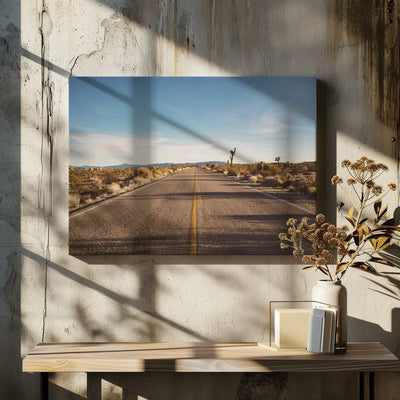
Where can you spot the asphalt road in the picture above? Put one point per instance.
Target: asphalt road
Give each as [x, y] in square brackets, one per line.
[194, 211]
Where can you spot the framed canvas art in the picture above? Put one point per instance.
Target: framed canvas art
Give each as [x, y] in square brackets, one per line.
[189, 165]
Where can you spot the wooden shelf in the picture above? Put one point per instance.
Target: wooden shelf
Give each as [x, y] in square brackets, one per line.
[202, 357]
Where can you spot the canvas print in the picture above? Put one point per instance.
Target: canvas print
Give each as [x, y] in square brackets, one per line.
[189, 165]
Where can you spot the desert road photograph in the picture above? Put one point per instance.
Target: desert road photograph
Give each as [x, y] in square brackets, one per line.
[189, 166]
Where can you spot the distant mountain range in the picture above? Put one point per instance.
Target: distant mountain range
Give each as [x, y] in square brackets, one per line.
[125, 165]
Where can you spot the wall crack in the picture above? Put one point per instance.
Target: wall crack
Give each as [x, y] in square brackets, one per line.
[75, 60]
[9, 284]
[46, 153]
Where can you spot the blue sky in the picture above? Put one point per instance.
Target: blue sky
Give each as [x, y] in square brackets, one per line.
[117, 120]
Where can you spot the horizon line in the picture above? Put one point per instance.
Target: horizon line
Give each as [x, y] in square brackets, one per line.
[190, 162]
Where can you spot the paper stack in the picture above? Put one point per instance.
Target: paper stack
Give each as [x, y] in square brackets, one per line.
[322, 330]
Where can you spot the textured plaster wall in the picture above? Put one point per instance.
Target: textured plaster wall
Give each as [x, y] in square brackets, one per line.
[46, 295]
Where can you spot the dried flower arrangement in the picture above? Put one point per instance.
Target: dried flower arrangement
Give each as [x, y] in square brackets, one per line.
[356, 245]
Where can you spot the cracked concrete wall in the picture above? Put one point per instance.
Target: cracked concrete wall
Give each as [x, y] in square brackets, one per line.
[46, 295]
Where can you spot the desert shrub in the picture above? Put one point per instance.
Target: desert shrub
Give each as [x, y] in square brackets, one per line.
[261, 168]
[271, 170]
[139, 180]
[92, 193]
[238, 170]
[111, 175]
[74, 199]
[144, 172]
[253, 170]
[296, 169]
[108, 189]
[114, 188]
[302, 183]
[159, 172]
[271, 182]
[252, 179]
[84, 198]
[75, 180]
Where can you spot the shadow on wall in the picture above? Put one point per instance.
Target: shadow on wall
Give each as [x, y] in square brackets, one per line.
[10, 204]
[144, 303]
[363, 331]
[143, 117]
[221, 386]
[372, 27]
[182, 33]
[165, 386]
[389, 287]
[366, 25]
[57, 392]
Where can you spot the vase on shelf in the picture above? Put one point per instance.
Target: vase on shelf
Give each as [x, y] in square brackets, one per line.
[333, 293]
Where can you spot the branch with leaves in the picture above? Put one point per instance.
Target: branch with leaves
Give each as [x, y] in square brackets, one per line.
[356, 245]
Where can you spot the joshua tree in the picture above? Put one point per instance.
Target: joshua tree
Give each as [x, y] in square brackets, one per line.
[232, 155]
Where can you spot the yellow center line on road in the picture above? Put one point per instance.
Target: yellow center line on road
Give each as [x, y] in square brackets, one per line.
[193, 228]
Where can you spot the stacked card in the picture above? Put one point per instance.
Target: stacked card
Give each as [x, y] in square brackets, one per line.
[291, 327]
[322, 330]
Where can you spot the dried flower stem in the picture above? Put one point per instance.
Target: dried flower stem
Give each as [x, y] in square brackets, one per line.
[327, 240]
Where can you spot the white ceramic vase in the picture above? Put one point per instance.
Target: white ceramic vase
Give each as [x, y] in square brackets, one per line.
[335, 294]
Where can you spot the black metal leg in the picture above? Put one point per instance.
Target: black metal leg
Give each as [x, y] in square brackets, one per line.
[44, 386]
[371, 386]
[93, 386]
[368, 394]
[361, 383]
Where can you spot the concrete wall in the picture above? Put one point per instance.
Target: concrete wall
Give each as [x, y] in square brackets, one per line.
[46, 295]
